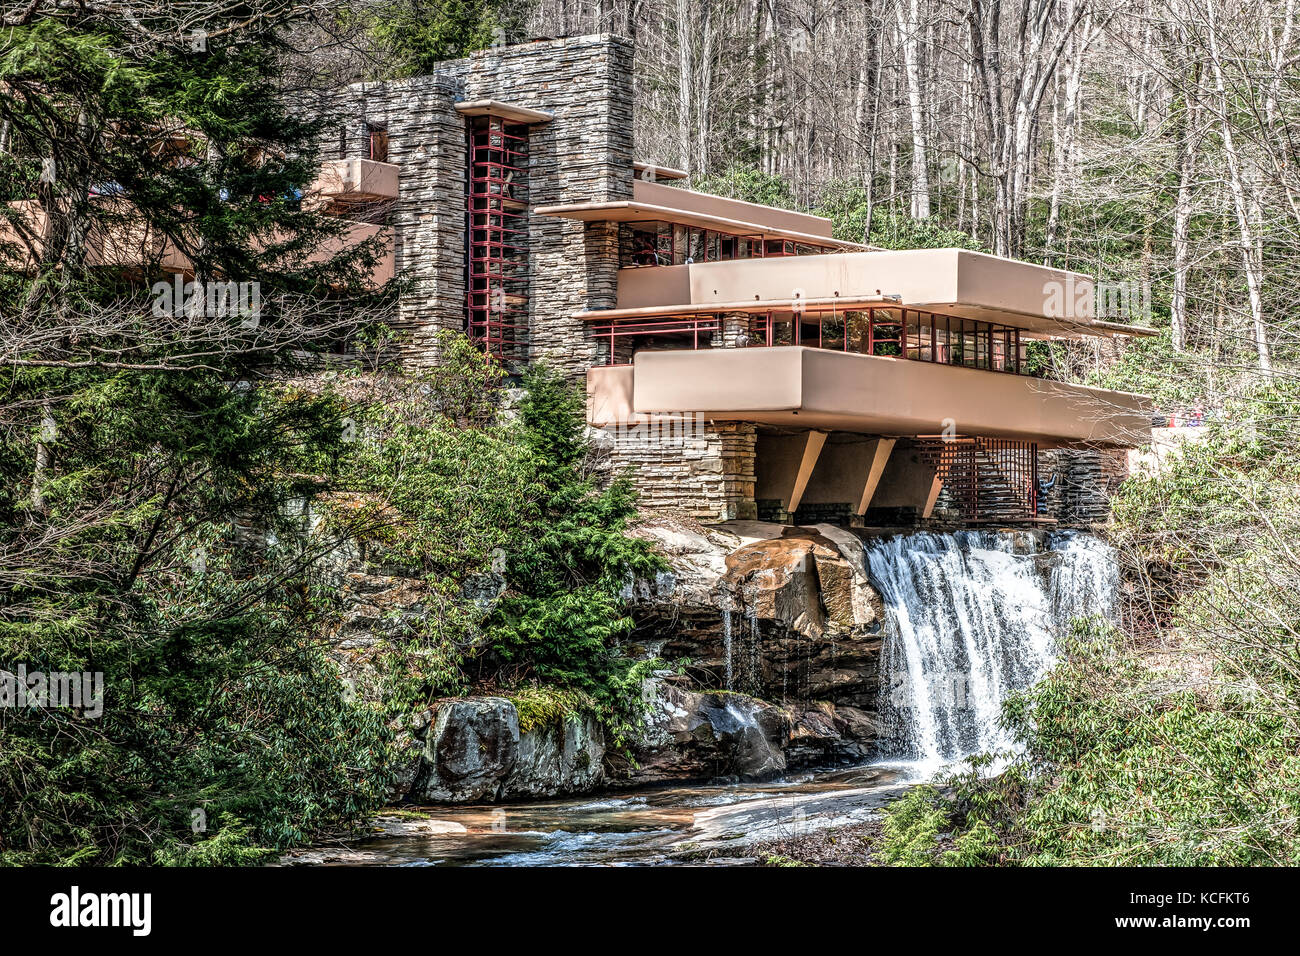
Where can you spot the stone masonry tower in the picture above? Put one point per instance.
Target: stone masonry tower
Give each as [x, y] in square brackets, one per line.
[476, 144]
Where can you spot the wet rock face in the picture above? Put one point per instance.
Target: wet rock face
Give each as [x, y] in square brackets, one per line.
[470, 749]
[781, 631]
[556, 760]
[704, 735]
[809, 580]
[474, 751]
[787, 613]
[824, 733]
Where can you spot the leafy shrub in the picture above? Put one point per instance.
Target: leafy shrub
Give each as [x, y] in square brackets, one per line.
[1119, 769]
[475, 490]
[750, 184]
[541, 706]
[225, 729]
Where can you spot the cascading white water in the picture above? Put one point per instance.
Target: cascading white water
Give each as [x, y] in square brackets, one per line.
[726, 642]
[972, 617]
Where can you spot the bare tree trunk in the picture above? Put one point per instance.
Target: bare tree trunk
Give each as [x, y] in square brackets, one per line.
[876, 62]
[1012, 98]
[704, 74]
[41, 468]
[1281, 135]
[1188, 146]
[1241, 201]
[965, 144]
[685, 86]
[908, 16]
[1071, 98]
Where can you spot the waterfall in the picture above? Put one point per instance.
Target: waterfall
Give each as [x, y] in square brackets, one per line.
[726, 642]
[972, 617]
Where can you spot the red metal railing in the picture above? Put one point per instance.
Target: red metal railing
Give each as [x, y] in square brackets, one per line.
[900, 333]
[497, 246]
[686, 332]
[654, 243]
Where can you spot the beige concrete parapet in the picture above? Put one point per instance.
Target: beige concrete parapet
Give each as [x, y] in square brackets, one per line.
[802, 387]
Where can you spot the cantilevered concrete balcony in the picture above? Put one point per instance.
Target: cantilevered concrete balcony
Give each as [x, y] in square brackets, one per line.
[355, 180]
[1043, 302]
[130, 246]
[655, 202]
[123, 245]
[809, 388]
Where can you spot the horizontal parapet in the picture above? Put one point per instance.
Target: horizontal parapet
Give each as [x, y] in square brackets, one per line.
[815, 388]
[706, 204]
[655, 202]
[355, 180]
[956, 282]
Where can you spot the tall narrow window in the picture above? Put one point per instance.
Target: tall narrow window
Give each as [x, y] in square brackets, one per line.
[497, 226]
[378, 142]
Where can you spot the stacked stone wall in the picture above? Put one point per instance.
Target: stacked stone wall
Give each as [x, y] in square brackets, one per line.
[684, 466]
[583, 154]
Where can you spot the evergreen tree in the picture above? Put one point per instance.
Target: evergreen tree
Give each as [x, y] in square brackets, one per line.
[154, 463]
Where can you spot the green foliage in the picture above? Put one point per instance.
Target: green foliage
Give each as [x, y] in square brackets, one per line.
[1120, 769]
[234, 844]
[151, 522]
[477, 498]
[750, 184]
[105, 105]
[217, 697]
[1150, 366]
[1154, 776]
[541, 706]
[1232, 495]
[1186, 757]
[571, 558]
[845, 204]
[419, 34]
[912, 827]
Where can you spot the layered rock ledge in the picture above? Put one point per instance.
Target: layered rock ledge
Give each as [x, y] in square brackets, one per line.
[772, 634]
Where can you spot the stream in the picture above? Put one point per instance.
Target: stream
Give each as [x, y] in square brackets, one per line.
[970, 618]
[640, 828]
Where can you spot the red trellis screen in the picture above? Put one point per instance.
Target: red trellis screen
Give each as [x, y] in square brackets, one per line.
[987, 479]
[497, 279]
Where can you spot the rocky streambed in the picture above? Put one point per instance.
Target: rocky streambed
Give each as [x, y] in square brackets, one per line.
[768, 715]
[731, 824]
[777, 632]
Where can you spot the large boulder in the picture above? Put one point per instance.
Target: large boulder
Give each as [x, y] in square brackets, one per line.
[557, 759]
[475, 752]
[784, 613]
[809, 580]
[822, 733]
[694, 735]
[469, 750]
[776, 580]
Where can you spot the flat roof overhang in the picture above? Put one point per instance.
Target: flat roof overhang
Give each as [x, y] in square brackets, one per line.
[798, 387]
[510, 111]
[1044, 302]
[654, 171]
[775, 305]
[631, 211]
